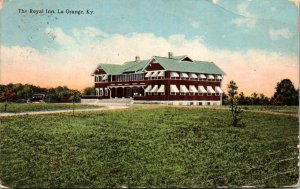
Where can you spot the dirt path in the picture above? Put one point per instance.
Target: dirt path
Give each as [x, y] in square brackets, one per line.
[103, 107]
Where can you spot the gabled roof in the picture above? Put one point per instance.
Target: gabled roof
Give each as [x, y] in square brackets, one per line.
[182, 58]
[176, 63]
[135, 66]
[111, 69]
[178, 57]
[117, 69]
[187, 66]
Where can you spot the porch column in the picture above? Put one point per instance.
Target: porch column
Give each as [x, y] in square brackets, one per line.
[110, 89]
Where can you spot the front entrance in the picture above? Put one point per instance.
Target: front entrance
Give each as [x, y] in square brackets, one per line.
[126, 92]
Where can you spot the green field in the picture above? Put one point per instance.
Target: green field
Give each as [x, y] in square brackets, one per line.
[151, 147]
[28, 107]
[279, 109]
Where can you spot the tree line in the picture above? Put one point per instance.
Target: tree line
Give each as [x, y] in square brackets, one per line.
[22, 92]
[285, 94]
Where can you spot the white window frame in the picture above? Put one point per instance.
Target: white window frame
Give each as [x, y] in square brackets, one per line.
[101, 92]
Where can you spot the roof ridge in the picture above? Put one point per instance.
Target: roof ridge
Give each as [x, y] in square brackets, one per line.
[135, 61]
[168, 57]
[110, 64]
[131, 66]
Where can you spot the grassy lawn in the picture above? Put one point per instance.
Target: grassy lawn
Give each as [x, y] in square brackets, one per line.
[26, 107]
[280, 109]
[154, 147]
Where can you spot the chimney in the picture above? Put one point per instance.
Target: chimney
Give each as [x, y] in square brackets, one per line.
[170, 54]
[137, 58]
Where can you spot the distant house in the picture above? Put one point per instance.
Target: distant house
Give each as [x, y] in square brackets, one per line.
[177, 80]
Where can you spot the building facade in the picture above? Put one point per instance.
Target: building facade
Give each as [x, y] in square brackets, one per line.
[177, 80]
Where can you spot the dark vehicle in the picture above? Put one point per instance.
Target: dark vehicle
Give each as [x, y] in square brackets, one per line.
[37, 98]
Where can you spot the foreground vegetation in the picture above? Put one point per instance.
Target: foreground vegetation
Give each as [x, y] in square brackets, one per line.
[154, 147]
[270, 108]
[28, 107]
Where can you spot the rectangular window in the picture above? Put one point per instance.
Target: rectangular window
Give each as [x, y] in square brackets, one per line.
[106, 91]
[101, 92]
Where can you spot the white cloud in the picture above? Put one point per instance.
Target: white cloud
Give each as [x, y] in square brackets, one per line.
[59, 36]
[252, 70]
[283, 32]
[195, 24]
[89, 32]
[246, 19]
[215, 1]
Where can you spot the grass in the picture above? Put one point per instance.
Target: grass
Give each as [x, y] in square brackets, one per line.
[279, 109]
[155, 147]
[28, 107]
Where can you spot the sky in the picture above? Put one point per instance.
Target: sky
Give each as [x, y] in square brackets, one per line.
[255, 42]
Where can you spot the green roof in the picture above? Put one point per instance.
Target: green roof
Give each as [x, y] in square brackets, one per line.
[187, 66]
[135, 66]
[112, 69]
[117, 69]
[178, 57]
[169, 64]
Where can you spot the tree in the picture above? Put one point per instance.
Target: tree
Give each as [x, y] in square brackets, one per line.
[235, 110]
[6, 95]
[89, 91]
[285, 93]
[242, 99]
[75, 96]
[254, 99]
[263, 100]
[225, 99]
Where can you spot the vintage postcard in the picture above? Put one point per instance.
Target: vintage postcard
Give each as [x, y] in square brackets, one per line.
[149, 94]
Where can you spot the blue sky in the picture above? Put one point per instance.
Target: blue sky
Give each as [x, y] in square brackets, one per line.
[214, 23]
[255, 42]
